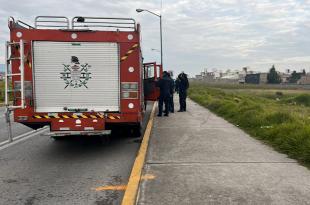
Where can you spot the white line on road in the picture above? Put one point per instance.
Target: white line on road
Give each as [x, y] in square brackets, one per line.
[23, 137]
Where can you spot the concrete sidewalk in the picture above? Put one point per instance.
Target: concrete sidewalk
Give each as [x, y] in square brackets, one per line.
[199, 158]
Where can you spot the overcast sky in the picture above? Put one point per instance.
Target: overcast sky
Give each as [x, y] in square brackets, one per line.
[198, 34]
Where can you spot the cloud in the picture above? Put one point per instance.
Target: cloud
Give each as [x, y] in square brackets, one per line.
[198, 34]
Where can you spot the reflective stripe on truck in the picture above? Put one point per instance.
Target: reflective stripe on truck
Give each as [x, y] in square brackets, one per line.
[75, 116]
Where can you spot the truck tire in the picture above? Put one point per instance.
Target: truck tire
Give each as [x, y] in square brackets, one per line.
[58, 138]
[135, 131]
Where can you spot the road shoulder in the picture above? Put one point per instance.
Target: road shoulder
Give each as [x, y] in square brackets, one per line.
[197, 157]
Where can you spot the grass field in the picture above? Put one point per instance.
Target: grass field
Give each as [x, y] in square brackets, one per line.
[1, 92]
[281, 118]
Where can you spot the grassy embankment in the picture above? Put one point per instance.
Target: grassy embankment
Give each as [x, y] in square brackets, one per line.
[281, 118]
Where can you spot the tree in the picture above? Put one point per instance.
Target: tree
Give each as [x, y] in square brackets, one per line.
[296, 76]
[273, 77]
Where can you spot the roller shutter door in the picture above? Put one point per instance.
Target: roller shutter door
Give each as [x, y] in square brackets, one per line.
[76, 75]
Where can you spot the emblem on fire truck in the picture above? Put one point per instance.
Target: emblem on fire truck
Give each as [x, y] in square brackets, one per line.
[76, 75]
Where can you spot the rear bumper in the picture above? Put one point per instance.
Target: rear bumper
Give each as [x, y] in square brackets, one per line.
[32, 117]
[89, 133]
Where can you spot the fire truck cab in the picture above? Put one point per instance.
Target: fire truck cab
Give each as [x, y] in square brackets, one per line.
[79, 77]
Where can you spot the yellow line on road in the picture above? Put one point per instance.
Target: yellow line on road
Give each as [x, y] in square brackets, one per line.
[112, 188]
[122, 187]
[135, 176]
[148, 177]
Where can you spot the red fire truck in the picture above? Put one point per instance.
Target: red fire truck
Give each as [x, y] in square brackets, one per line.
[79, 77]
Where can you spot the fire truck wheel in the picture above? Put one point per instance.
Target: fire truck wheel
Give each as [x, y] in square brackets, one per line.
[58, 138]
[135, 131]
[104, 139]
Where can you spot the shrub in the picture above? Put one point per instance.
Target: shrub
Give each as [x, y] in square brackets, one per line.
[278, 118]
[303, 99]
[279, 94]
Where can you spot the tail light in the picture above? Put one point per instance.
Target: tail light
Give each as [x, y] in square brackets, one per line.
[130, 86]
[129, 90]
[129, 95]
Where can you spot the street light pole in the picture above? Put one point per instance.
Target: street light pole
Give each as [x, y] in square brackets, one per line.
[161, 42]
[161, 32]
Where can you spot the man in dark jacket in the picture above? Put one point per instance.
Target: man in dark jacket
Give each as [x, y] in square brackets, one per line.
[166, 89]
[171, 103]
[181, 86]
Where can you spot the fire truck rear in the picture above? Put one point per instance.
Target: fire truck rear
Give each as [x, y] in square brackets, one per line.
[80, 77]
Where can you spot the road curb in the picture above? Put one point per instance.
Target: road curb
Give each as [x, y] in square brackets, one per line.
[130, 195]
[22, 137]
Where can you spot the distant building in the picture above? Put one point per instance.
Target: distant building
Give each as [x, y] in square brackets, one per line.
[198, 77]
[232, 76]
[263, 78]
[285, 77]
[304, 80]
[209, 76]
[257, 78]
[242, 75]
[252, 78]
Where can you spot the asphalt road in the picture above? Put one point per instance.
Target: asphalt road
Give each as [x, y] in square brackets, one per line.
[40, 170]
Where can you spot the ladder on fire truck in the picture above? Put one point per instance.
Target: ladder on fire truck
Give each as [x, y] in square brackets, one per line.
[8, 78]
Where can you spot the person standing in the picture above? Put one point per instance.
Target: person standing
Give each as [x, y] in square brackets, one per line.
[165, 88]
[171, 103]
[182, 85]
